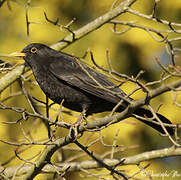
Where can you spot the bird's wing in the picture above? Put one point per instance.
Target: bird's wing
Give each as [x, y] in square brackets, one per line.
[76, 74]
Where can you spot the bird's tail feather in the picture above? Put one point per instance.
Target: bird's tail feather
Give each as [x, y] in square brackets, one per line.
[146, 113]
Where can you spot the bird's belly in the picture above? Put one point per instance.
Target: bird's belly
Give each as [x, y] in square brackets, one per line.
[59, 91]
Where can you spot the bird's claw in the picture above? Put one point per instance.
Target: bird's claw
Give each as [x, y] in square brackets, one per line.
[74, 129]
[73, 132]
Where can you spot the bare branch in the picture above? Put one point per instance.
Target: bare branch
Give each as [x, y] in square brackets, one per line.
[89, 164]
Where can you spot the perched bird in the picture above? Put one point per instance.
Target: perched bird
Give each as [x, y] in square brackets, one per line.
[62, 77]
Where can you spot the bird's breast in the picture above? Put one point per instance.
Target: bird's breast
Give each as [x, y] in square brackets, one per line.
[58, 90]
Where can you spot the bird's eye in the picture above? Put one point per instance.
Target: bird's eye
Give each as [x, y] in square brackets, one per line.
[33, 49]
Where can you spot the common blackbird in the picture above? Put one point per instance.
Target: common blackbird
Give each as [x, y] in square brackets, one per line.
[62, 77]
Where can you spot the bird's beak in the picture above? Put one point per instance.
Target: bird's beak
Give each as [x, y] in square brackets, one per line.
[17, 54]
[13, 56]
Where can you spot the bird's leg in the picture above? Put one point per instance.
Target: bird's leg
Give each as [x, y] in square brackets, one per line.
[81, 117]
[74, 127]
[47, 115]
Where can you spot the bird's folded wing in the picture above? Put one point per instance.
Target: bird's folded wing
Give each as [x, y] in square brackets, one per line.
[80, 76]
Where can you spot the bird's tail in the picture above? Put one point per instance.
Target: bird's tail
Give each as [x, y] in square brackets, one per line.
[146, 113]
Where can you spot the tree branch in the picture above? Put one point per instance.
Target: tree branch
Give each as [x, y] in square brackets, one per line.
[105, 121]
[46, 157]
[11, 77]
[90, 164]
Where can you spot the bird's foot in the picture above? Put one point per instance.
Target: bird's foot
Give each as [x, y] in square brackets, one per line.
[73, 132]
[74, 129]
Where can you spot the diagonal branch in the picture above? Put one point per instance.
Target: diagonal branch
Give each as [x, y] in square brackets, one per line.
[11, 77]
[106, 121]
[92, 26]
[46, 157]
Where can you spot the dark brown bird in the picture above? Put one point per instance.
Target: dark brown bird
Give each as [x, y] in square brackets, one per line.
[61, 77]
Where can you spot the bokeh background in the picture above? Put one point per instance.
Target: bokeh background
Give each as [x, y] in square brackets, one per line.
[130, 52]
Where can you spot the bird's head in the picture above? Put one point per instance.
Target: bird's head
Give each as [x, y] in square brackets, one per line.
[35, 52]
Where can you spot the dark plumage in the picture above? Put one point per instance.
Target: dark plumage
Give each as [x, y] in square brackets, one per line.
[60, 77]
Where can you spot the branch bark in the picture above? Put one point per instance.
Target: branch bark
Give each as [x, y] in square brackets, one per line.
[90, 164]
[46, 157]
[101, 122]
[11, 77]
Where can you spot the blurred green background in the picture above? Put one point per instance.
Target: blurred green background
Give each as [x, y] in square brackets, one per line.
[130, 52]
